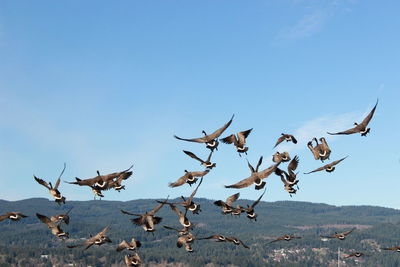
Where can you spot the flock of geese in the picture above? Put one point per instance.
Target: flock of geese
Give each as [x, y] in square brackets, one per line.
[148, 220]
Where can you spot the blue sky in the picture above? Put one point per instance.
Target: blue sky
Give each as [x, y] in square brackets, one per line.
[102, 86]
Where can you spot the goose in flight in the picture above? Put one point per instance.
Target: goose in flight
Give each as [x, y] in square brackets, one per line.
[53, 190]
[287, 138]
[360, 128]
[133, 260]
[54, 227]
[285, 238]
[227, 206]
[340, 236]
[134, 244]
[188, 177]
[206, 163]
[13, 216]
[238, 140]
[211, 139]
[328, 167]
[98, 239]
[250, 209]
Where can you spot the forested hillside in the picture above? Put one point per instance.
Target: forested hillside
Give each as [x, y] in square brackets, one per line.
[30, 243]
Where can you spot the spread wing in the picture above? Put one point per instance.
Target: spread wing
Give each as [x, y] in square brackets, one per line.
[3, 217]
[59, 177]
[250, 167]
[319, 169]
[218, 132]
[277, 239]
[42, 182]
[197, 140]
[157, 208]
[180, 181]
[265, 173]
[195, 191]
[243, 183]
[232, 199]
[259, 163]
[258, 200]
[335, 162]
[87, 182]
[243, 135]
[45, 219]
[280, 140]
[365, 122]
[229, 139]
[192, 155]
[123, 245]
[349, 131]
[293, 164]
[349, 232]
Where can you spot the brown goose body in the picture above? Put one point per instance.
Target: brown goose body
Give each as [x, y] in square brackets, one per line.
[328, 167]
[61, 217]
[355, 254]
[287, 138]
[98, 239]
[189, 178]
[54, 227]
[359, 128]
[211, 139]
[13, 216]
[133, 260]
[54, 192]
[238, 140]
[340, 236]
[236, 241]
[134, 244]
[227, 205]
[281, 157]
[188, 203]
[206, 163]
[250, 209]
[285, 238]
[320, 151]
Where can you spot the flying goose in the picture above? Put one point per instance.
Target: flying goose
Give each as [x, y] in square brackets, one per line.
[13, 216]
[188, 203]
[183, 231]
[290, 175]
[99, 239]
[132, 260]
[285, 237]
[280, 157]
[54, 227]
[287, 138]
[239, 140]
[255, 178]
[53, 190]
[288, 186]
[320, 151]
[147, 220]
[183, 220]
[236, 241]
[189, 177]
[258, 165]
[101, 182]
[61, 217]
[340, 236]
[227, 206]
[328, 167]
[355, 254]
[211, 139]
[396, 248]
[250, 209]
[134, 244]
[362, 127]
[185, 240]
[207, 163]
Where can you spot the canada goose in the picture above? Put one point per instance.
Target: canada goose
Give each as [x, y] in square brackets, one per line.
[340, 236]
[101, 182]
[13, 216]
[227, 206]
[99, 239]
[239, 140]
[362, 127]
[280, 157]
[54, 227]
[285, 237]
[132, 260]
[250, 209]
[287, 138]
[258, 165]
[61, 217]
[117, 183]
[183, 231]
[255, 178]
[183, 220]
[147, 220]
[134, 244]
[396, 248]
[53, 190]
[218, 238]
[189, 177]
[355, 254]
[207, 163]
[185, 240]
[237, 211]
[328, 167]
[211, 139]
[188, 203]
[290, 175]
[287, 185]
[236, 241]
[320, 151]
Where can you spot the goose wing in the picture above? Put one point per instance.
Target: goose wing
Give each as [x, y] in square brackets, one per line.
[42, 182]
[232, 199]
[194, 192]
[243, 183]
[335, 162]
[123, 245]
[348, 232]
[259, 163]
[250, 166]
[157, 208]
[218, 132]
[193, 156]
[4, 217]
[180, 181]
[319, 169]
[199, 173]
[243, 135]
[277, 239]
[229, 139]
[59, 177]
[367, 119]
[267, 172]
[349, 131]
[293, 164]
[258, 200]
[280, 140]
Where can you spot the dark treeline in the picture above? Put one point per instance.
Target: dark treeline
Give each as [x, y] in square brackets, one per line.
[30, 243]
